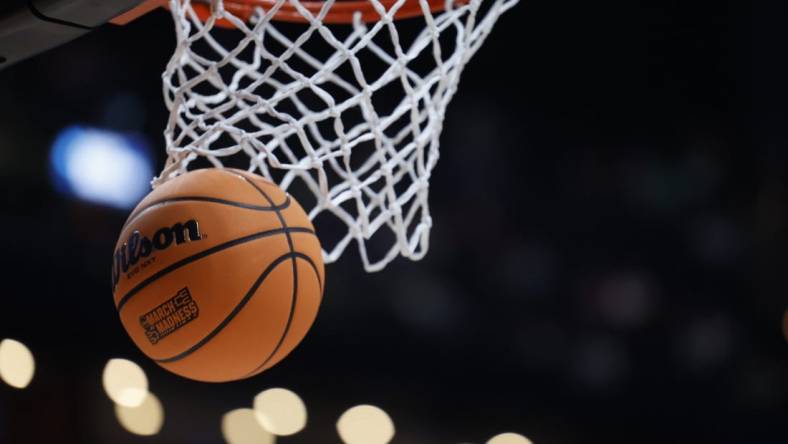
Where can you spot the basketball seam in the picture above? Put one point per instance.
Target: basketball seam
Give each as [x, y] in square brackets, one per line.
[311, 263]
[215, 200]
[233, 313]
[204, 253]
[240, 306]
[294, 297]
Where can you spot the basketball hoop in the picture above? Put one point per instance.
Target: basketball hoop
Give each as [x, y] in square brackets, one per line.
[340, 102]
[342, 12]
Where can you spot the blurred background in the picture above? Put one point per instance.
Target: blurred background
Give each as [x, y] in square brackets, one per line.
[607, 262]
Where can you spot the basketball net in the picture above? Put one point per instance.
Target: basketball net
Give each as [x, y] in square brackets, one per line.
[347, 115]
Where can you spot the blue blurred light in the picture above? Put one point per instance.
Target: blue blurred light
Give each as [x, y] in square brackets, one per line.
[102, 167]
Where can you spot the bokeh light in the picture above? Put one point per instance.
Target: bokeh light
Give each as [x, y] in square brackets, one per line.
[101, 166]
[125, 382]
[280, 411]
[17, 365]
[707, 341]
[145, 419]
[509, 438]
[241, 426]
[600, 362]
[625, 299]
[365, 424]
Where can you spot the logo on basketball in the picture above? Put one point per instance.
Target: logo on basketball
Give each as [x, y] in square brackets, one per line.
[138, 247]
[169, 316]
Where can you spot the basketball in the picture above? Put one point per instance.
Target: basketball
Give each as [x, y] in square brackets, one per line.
[217, 275]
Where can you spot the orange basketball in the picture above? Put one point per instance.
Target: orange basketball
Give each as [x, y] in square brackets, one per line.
[217, 275]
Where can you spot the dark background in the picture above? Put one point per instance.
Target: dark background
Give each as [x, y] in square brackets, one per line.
[607, 263]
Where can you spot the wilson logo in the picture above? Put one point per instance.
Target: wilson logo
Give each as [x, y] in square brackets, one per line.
[171, 315]
[138, 248]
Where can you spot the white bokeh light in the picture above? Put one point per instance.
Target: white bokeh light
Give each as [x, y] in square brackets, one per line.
[145, 419]
[125, 382]
[241, 426]
[17, 365]
[365, 424]
[280, 411]
[509, 438]
[100, 166]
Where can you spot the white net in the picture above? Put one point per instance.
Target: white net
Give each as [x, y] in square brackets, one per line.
[345, 117]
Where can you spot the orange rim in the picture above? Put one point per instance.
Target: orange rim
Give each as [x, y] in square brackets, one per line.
[341, 12]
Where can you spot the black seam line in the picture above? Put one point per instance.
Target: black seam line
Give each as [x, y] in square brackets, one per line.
[215, 249]
[271, 203]
[281, 340]
[294, 297]
[41, 15]
[252, 291]
[237, 309]
[314, 267]
[216, 200]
